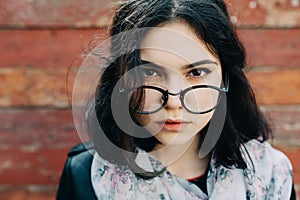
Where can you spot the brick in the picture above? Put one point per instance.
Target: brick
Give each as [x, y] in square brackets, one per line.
[262, 13]
[285, 123]
[33, 87]
[68, 13]
[27, 166]
[279, 87]
[272, 47]
[50, 87]
[37, 128]
[248, 13]
[27, 192]
[45, 48]
[34, 145]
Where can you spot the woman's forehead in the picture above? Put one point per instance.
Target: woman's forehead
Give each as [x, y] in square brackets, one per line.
[175, 42]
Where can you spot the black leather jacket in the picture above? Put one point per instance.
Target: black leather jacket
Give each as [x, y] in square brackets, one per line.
[75, 182]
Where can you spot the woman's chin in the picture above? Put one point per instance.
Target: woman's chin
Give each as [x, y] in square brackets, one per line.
[174, 139]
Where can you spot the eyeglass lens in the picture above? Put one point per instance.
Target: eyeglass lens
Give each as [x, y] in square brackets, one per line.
[194, 100]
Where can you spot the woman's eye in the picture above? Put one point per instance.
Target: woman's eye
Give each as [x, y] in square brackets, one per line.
[199, 72]
[150, 73]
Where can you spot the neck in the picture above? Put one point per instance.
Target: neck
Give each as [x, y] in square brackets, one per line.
[183, 160]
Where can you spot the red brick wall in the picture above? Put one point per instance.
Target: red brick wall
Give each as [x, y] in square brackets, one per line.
[40, 39]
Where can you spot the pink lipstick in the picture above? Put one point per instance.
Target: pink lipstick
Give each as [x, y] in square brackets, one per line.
[173, 125]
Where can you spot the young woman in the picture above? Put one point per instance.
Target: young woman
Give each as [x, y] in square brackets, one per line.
[175, 115]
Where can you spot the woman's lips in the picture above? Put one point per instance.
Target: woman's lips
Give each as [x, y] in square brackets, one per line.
[173, 125]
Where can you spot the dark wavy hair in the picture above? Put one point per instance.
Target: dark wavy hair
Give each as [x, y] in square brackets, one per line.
[209, 19]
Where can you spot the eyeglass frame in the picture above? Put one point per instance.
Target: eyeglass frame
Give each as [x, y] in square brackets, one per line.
[181, 93]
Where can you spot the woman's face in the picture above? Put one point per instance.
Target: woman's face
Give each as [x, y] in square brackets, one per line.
[177, 59]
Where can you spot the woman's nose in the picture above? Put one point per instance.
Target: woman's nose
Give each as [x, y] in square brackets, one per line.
[173, 101]
[175, 85]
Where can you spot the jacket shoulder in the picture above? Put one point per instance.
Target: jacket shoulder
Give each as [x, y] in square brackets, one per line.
[81, 148]
[75, 181]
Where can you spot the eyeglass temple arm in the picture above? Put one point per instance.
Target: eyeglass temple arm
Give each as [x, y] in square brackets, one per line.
[226, 82]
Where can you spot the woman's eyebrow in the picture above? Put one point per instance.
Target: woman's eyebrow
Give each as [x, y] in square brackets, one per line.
[197, 63]
[202, 62]
[151, 64]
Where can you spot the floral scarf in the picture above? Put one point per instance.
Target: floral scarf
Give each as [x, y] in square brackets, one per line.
[268, 176]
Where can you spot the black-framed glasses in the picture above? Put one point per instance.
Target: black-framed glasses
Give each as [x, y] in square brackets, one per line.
[197, 99]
